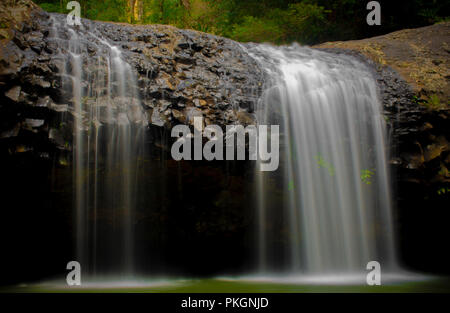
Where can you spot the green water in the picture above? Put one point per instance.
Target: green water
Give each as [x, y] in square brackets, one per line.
[223, 286]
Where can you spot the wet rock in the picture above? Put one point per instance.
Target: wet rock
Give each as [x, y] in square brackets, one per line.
[39, 81]
[51, 47]
[157, 119]
[13, 93]
[57, 137]
[199, 102]
[179, 116]
[14, 132]
[183, 45]
[33, 123]
[45, 102]
[245, 118]
[185, 58]
[164, 104]
[35, 42]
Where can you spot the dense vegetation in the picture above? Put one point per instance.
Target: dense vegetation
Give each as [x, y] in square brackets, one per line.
[277, 21]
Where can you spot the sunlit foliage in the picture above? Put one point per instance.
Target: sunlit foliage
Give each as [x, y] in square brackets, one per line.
[276, 21]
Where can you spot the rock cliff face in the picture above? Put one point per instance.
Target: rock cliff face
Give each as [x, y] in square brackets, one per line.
[184, 73]
[181, 73]
[420, 56]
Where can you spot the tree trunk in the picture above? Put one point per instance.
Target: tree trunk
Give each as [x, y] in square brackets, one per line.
[136, 10]
[161, 8]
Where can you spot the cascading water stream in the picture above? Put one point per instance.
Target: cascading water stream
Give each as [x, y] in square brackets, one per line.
[336, 206]
[336, 211]
[108, 130]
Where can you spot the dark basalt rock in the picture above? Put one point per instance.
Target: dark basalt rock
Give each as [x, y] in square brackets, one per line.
[177, 70]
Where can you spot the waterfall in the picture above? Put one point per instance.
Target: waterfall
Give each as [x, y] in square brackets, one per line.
[335, 213]
[108, 133]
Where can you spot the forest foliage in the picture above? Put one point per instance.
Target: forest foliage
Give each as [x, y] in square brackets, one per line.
[276, 21]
